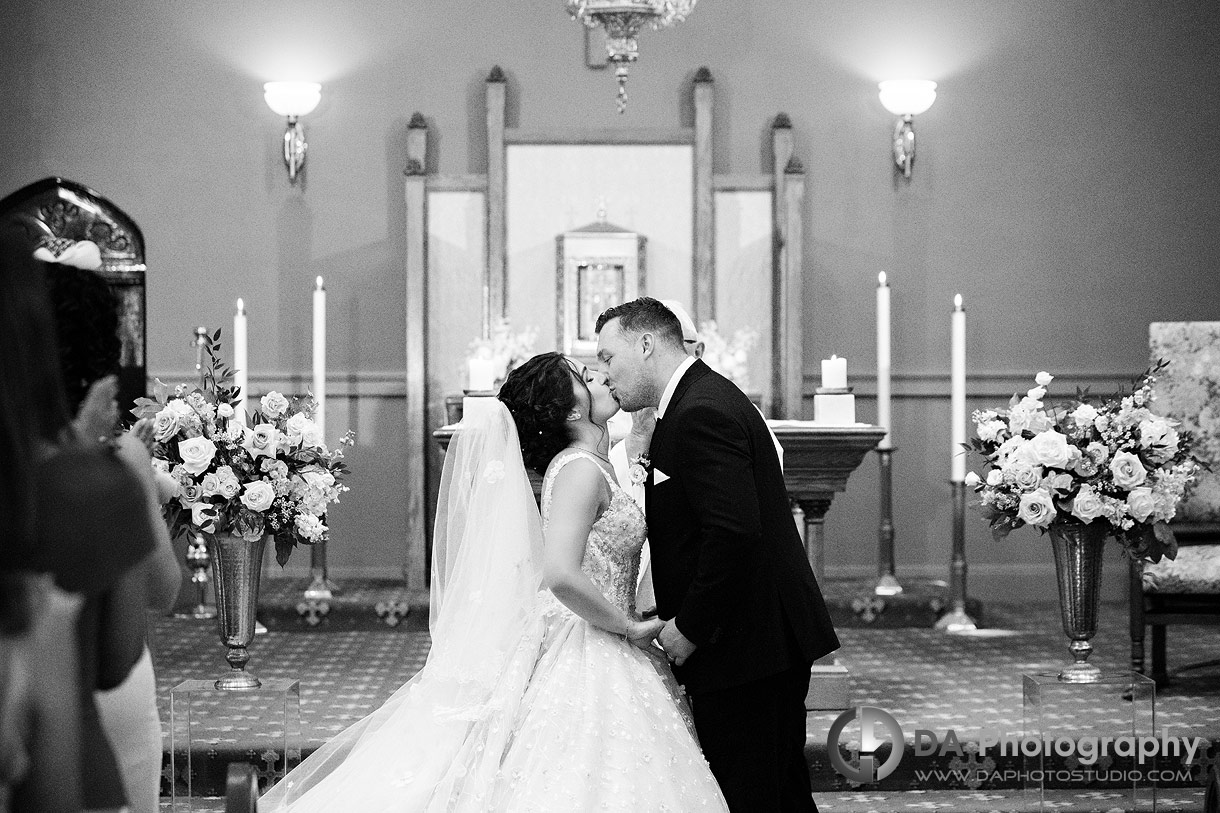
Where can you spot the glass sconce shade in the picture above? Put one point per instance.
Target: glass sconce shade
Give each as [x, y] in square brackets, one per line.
[907, 97]
[292, 99]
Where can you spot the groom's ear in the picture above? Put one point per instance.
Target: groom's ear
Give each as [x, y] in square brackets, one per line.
[647, 344]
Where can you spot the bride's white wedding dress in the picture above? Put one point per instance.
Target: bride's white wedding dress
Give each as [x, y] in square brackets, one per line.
[560, 716]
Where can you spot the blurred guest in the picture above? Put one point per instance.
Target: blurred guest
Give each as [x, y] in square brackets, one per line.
[78, 513]
[87, 323]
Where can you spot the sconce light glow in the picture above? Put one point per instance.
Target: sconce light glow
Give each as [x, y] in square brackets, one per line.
[906, 98]
[293, 100]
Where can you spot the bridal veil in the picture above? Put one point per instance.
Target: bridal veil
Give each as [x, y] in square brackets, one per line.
[418, 748]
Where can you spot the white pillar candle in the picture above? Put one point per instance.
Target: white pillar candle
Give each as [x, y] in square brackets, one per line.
[883, 361]
[957, 382]
[319, 354]
[834, 373]
[241, 363]
[481, 374]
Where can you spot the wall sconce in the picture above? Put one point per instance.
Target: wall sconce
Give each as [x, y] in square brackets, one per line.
[906, 98]
[293, 99]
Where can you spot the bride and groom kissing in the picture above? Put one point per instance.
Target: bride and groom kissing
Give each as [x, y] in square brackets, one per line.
[544, 689]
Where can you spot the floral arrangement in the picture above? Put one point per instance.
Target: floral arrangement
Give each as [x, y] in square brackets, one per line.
[1112, 461]
[276, 477]
[506, 349]
[729, 358]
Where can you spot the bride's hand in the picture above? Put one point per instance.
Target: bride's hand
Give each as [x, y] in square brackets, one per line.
[642, 633]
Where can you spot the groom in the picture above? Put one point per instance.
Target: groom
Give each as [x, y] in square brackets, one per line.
[745, 619]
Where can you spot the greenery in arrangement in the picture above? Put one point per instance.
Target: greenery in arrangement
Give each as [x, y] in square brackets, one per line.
[271, 475]
[1089, 460]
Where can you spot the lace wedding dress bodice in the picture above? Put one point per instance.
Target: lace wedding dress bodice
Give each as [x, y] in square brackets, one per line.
[612, 554]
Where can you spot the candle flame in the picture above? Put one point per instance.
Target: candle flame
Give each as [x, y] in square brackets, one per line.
[833, 357]
[241, 306]
[319, 284]
[881, 279]
[957, 302]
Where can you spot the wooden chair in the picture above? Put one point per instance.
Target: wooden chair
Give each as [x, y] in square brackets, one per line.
[1186, 590]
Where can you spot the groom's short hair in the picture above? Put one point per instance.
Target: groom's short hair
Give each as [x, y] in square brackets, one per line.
[645, 315]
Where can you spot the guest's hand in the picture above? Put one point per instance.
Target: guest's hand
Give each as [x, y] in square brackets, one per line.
[643, 633]
[99, 411]
[677, 646]
[142, 430]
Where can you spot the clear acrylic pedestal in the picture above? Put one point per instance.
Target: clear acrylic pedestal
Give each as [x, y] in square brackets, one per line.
[211, 728]
[1071, 722]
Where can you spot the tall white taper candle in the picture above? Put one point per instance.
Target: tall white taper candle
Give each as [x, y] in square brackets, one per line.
[957, 400]
[241, 363]
[883, 362]
[319, 354]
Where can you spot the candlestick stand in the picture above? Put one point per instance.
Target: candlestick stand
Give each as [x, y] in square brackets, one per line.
[957, 620]
[199, 560]
[321, 590]
[887, 582]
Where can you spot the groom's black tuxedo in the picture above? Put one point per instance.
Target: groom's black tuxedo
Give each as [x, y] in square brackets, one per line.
[727, 561]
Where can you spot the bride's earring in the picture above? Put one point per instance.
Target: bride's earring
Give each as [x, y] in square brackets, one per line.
[574, 415]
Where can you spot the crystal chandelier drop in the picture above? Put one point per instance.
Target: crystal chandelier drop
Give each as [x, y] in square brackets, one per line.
[622, 20]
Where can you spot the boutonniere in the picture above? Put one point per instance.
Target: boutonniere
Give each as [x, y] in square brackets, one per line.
[638, 471]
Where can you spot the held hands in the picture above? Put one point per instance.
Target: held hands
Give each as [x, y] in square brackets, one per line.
[676, 645]
[642, 633]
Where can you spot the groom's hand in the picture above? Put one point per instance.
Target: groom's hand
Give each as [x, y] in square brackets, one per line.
[643, 633]
[676, 645]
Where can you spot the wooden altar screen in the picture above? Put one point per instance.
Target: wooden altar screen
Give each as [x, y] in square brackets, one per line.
[459, 272]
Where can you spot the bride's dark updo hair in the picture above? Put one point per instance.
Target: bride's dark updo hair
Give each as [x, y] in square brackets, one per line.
[539, 395]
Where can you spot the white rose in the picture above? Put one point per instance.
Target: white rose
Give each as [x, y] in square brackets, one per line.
[1018, 419]
[225, 410]
[1050, 448]
[1037, 508]
[1025, 477]
[1084, 415]
[203, 516]
[210, 485]
[1127, 470]
[297, 426]
[311, 438]
[1087, 505]
[972, 479]
[1101, 423]
[273, 404]
[261, 440]
[1043, 379]
[197, 454]
[995, 477]
[258, 495]
[1140, 503]
[1036, 394]
[229, 484]
[166, 424]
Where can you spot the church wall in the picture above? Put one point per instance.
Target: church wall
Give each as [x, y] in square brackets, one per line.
[1065, 185]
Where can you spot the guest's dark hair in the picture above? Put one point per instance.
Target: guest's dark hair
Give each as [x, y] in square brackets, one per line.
[87, 325]
[645, 315]
[32, 409]
[539, 396]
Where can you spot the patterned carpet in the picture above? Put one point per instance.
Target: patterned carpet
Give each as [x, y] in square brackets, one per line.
[923, 678]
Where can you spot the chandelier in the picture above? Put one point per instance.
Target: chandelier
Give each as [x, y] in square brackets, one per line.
[622, 20]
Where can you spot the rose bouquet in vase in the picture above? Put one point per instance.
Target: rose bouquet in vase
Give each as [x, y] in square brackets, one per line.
[235, 483]
[1083, 471]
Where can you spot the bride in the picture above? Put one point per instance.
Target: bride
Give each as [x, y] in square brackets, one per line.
[542, 689]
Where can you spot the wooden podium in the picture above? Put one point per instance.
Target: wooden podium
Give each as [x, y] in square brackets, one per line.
[818, 459]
